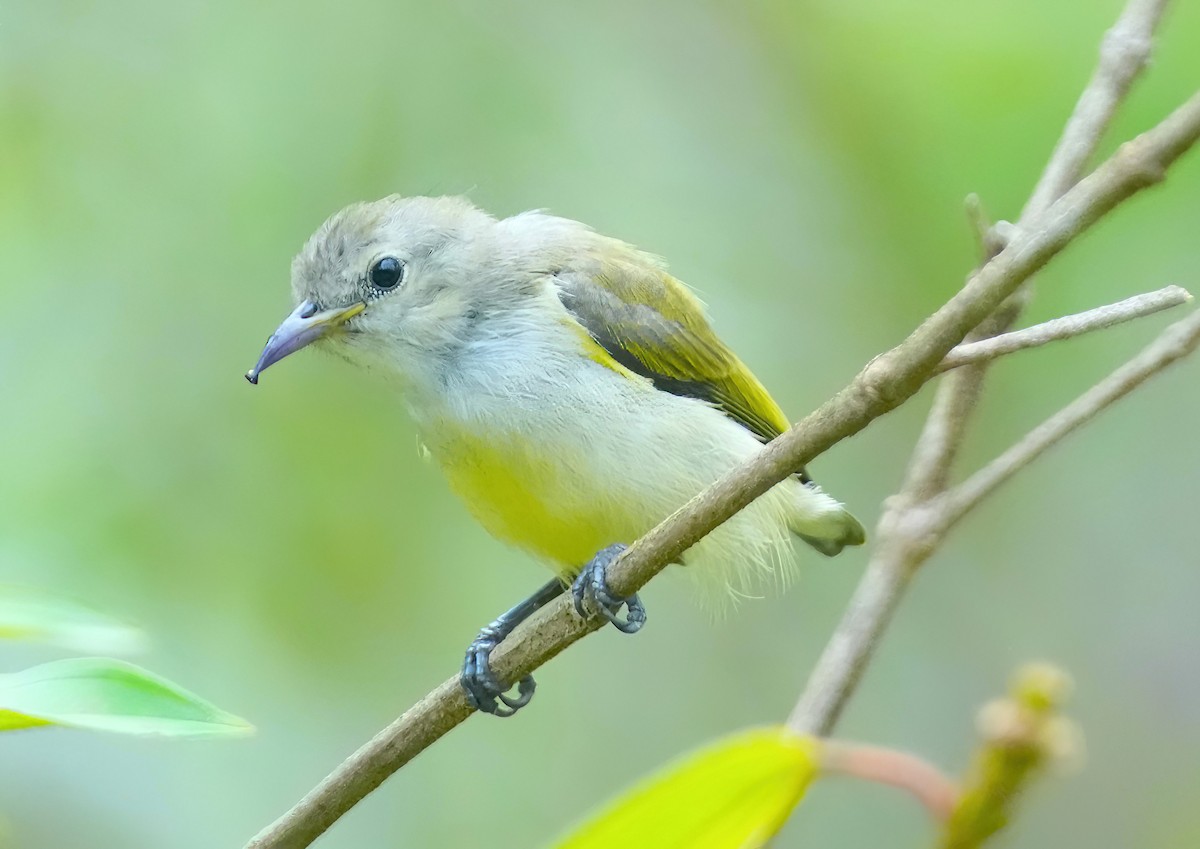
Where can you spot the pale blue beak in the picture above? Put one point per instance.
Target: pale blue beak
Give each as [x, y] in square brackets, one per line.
[305, 325]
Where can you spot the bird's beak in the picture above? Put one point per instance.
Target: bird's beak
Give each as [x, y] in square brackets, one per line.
[304, 326]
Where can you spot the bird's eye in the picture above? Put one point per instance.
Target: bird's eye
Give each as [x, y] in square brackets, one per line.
[387, 273]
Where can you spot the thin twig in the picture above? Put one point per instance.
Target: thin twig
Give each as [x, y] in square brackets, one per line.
[1067, 327]
[904, 539]
[1173, 344]
[899, 769]
[881, 386]
[920, 527]
[989, 238]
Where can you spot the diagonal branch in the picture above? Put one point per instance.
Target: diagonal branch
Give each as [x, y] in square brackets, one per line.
[1067, 327]
[903, 538]
[923, 526]
[881, 386]
[1124, 53]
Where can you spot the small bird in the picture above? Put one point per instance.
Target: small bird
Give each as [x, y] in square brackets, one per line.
[572, 390]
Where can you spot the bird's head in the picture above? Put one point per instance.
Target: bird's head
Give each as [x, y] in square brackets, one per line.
[392, 282]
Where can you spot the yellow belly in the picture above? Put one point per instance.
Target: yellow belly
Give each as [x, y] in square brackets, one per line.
[529, 501]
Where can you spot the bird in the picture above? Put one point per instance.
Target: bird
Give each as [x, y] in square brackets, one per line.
[572, 390]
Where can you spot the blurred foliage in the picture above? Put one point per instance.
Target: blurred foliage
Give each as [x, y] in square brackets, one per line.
[27, 614]
[97, 693]
[801, 164]
[1021, 735]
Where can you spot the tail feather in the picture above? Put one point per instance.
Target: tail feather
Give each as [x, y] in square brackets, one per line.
[754, 550]
[851, 533]
[825, 524]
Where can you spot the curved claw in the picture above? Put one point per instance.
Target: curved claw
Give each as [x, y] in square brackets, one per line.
[590, 590]
[485, 692]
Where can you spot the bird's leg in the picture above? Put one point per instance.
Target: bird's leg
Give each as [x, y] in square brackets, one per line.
[590, 589]
[485, 692]
[591, 585]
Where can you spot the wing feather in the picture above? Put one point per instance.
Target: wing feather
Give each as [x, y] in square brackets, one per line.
[654, 326]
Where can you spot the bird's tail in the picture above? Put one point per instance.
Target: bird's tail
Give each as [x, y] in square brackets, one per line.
[822, 522]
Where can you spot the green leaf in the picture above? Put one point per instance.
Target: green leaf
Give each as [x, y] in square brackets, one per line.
[109, 695]
[31, 615]
[734, 795]
[10, 721]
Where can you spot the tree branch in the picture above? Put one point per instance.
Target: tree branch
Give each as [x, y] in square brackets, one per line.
[1172, 345]
[970, 353]
[922, 527]
[882, 385]
[904, 538]
[937, 793]
[1124, 53]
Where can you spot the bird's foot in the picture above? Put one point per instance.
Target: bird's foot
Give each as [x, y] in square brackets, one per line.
[590, 590]
[484, 690]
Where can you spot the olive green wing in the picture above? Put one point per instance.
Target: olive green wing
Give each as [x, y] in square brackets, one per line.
[651, 324]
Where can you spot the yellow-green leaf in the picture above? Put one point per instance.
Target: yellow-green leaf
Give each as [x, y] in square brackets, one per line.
[31, 615]
[10, 721]
[733, 795]
[109, 695]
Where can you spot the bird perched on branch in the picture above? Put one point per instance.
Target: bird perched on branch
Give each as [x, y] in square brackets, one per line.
[572, 390]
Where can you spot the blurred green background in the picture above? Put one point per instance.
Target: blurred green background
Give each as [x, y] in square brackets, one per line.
[802, 165]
